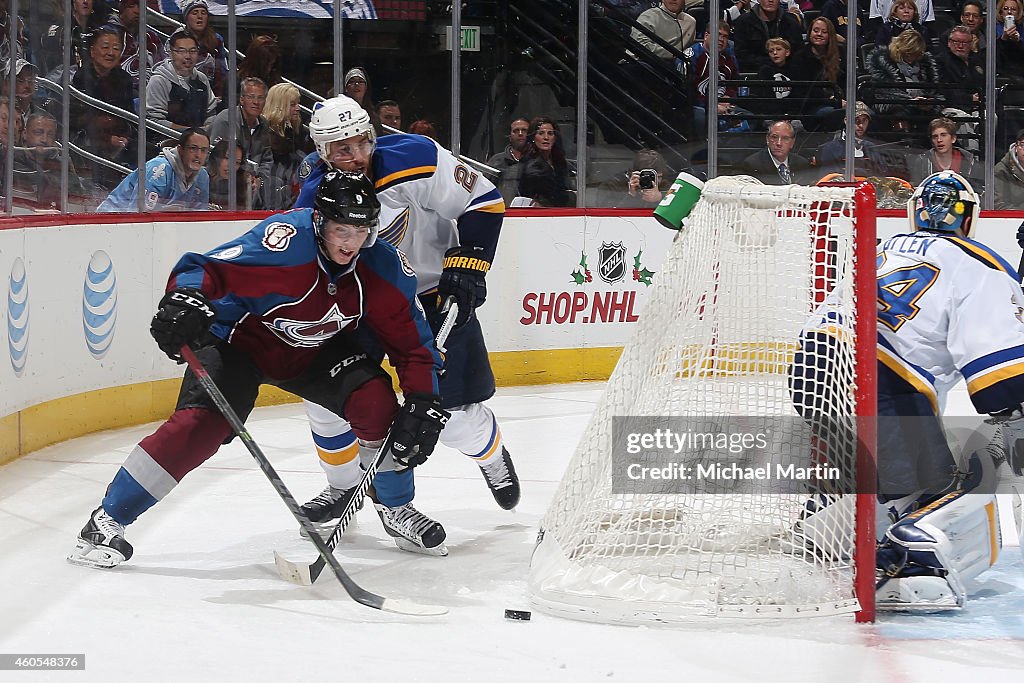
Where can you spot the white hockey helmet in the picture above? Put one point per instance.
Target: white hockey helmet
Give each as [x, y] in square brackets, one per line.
[944, 202]
[339, 118]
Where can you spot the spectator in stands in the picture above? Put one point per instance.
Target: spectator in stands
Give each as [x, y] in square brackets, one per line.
[643, 192]
[390, 114]
[882, 9]
[903, 15]
[221, 175]
[730, 115]
[1009, 40]
[780, 100]
[775, 164]
[22, 49]
[262, 60]
[287, 137]
[508, 160]
[944, 154]
[37, 163]
[972, 15]
[822, 61]
[961, 67]
[905, 61]
[671, 24]
[545, 175]
[836, 12]
[111, 139]
[1009, 177]
[175, 180]
[357, 86]
[24, 86]
[253, 134]
[868, 160]
[102, 78]
[423, 127]
[83, 20]
[127, 22]
[752, 30]
[212, 59]
[178, 95]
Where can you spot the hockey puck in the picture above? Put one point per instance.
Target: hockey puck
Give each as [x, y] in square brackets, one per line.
[517, 614]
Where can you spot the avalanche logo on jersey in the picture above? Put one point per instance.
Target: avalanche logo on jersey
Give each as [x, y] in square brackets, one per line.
[395, 231]
[277, 236]
[310, 334]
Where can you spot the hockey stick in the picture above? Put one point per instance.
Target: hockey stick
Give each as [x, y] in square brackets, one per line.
[306, 574]
[355, 591]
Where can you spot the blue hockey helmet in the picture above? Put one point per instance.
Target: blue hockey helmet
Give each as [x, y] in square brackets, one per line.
[944, 202]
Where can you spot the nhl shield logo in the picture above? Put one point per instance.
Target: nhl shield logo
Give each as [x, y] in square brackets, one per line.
[612, 262]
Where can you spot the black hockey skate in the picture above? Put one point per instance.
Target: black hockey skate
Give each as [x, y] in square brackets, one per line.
[101, 542]
[502, 480]
[413, 530]
[327, 506]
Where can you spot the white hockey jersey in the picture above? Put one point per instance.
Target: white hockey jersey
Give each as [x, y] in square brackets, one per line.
[430, 202]
[950, 307]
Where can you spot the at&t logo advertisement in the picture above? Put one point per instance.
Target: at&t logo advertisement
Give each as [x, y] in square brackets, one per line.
[99, 304]
[615, 266]
[17, 316]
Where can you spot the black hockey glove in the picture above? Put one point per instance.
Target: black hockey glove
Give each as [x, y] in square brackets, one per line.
[416, 428]
[462, 279]
[183, 316]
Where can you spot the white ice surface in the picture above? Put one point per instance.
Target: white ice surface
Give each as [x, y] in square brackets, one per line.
[201, 599]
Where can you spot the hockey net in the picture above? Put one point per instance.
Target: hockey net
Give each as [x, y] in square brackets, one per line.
[714, 353]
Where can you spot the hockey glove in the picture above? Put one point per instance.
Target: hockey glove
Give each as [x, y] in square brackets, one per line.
[183, 316]
[462, 279]
[416, 428]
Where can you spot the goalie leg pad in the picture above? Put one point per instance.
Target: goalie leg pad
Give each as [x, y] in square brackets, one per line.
[917, 593]
[825, 524]
[954, 539]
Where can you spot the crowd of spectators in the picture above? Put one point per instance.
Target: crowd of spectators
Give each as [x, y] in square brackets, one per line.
[782, 71]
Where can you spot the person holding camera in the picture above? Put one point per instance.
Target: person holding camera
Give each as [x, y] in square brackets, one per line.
[1009, 41]
[643, 183]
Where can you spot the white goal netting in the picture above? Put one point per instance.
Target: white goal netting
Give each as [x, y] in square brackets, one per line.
[690, 489]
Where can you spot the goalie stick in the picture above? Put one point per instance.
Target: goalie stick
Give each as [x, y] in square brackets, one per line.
[354, 590]
[306, 574]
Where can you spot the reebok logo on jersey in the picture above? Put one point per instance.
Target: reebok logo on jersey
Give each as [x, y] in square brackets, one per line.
[278, 236]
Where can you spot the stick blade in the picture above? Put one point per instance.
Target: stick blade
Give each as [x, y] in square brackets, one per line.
[411, 608]
[292, 572]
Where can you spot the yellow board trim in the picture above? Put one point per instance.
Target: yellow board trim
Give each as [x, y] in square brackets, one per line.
[69, 417]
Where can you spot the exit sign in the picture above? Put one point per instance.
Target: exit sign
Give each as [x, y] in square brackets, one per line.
[470, 38]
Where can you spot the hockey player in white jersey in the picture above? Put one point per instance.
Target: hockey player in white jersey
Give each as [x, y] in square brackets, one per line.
[446, 218]
[948, 308]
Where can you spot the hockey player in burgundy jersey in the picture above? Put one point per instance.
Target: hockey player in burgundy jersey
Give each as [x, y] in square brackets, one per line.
[446, 217]
[278, 306]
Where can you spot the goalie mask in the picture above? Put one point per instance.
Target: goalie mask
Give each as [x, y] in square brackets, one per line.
[339, 118]
[944, 202]
[348, 198]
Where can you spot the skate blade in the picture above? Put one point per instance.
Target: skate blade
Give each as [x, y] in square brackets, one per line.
[407, 545]
[86, 554]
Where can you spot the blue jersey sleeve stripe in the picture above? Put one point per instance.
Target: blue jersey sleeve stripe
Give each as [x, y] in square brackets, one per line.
[985, 255]
[994, 375]
[992, 360]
